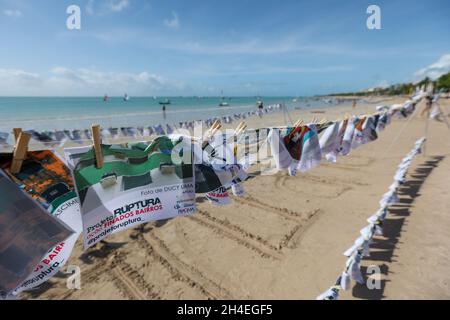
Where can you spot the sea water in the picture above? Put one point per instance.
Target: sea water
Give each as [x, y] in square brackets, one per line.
[59, 113]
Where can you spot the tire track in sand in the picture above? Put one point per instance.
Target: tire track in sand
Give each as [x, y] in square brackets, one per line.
[283, 212]
[127, 279]
[233, 232]
[180, 270]
[333, 180]
[91, 275]
[351, 166]
[198, 259]
[293, 239]
[132, 283]
[281, 184]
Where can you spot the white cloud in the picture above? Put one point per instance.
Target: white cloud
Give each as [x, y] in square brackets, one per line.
[15, 81]
[62, 81]
[105, 7]
[435, 70]
[18, 76]
[173, 23]
[118, 5]
[12, 13]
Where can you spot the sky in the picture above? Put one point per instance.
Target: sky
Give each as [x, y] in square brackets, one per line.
[204, 47]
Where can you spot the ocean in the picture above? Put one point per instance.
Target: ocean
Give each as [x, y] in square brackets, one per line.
[59, 113]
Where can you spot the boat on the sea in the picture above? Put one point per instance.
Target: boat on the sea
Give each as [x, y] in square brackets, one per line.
[165, 102]
[126, 97]
[223, 103]
[259, 102]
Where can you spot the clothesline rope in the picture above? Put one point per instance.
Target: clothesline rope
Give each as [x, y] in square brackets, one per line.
[405, 125]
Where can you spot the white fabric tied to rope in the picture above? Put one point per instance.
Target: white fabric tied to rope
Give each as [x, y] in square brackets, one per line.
[348, 137]
[359, 242]
[366, 248]
[394, 186]
[346, 282]
[238, 189]
[379, 228]
[331, 294]
[389, 198]
[367, 233]
[329, 142]
[354, 267]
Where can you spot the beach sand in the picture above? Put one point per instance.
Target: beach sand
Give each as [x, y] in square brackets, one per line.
[285, 239]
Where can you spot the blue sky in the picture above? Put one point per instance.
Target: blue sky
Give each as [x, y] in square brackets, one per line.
[200, 47]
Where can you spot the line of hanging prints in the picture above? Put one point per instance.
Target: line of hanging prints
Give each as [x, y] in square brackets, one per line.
[102, 189]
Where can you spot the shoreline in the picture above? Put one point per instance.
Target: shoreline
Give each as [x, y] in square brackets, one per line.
[81, 117]
[274, 118]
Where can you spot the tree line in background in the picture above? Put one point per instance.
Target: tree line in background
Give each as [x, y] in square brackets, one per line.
[442, 84]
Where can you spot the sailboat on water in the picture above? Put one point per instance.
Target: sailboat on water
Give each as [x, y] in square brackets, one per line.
[165, 102]
[223, 103]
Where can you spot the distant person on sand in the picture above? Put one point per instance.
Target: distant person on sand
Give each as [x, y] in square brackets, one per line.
[164, 111]
[260, 108]
[354, 104]
[428, 104]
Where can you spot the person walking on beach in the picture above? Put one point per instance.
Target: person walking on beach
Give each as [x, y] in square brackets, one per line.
[164, 111]
[260, 108]
[428, 104]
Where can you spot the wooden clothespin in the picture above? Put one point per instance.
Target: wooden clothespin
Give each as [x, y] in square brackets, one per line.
[241, 124]
[216, 126]
[97, 146]
[298, 123]
[240, 128]
[20, 152]
[323, 121]
[17, 132]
